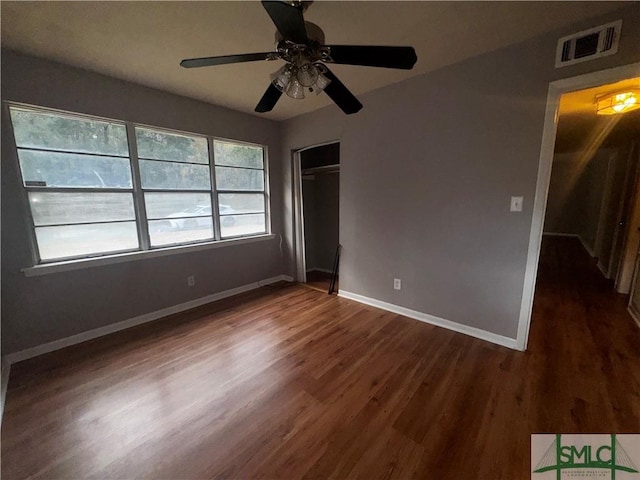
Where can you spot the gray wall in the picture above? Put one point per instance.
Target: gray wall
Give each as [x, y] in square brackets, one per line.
[427, 170]
[309, 213]
[321, 220]
[576, 193]
[595, 183]
[36, 310]
[327, 219]
[584, 155]
[563, 200]
[617, 207]
[590, 186]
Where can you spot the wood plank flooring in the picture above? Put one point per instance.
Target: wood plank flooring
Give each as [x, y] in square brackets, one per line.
[321, 281]
[286, 382]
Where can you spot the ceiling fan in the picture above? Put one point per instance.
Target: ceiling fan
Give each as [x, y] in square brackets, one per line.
[301, 45]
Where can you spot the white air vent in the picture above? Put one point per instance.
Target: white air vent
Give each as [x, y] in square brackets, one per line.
[588, 44]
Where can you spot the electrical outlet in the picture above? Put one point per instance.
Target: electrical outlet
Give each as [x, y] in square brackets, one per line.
[397, 284]
[191, 280]
[516, 204]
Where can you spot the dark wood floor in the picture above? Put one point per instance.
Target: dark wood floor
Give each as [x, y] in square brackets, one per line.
[321, 281]
[291, 383]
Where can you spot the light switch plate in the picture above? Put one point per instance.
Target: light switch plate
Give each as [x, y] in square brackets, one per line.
[516, 204]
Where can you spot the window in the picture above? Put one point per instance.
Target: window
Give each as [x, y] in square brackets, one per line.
[176, 181]
[240, 183]
[78, 179]
[91, 193]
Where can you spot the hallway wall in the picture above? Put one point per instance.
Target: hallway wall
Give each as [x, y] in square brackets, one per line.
[575, 194]
[589, 189]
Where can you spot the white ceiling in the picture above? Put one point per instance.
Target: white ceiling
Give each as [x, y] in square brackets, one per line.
[143, 42]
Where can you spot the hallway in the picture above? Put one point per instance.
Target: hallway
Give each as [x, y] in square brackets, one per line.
[584, 344]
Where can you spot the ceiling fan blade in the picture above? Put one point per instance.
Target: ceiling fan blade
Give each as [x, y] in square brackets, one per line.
[341, 94]
[288, 20]
[225, 59]
[373, 56]
[269, 99]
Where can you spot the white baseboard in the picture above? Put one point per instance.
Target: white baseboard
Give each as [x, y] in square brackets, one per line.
[573, 235]
[132, 322]
[323, 270]
[602, 270]
[4, 383]
[554, 234]
[634, 314]
[440, 322]
[589, 250]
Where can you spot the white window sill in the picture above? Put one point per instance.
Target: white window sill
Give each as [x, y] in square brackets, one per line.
[65, 266]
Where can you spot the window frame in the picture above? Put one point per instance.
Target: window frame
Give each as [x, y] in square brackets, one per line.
[140, 212]
[265, 191]
[141, 190]
[34, 239]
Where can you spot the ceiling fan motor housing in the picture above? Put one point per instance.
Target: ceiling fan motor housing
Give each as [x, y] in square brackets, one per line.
[314, 33]
[313, 49]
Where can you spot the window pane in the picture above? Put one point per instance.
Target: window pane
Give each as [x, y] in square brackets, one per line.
[49, 169]
[177, 205]
[228, 178]
[237, 155]
[233, 225]
[59, 132]
[169, 175]
[169, 146]
[79, 240]
[58, 208]
[234, 203]
[180, 230]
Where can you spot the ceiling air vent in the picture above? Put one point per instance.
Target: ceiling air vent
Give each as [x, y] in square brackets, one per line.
[588, 44]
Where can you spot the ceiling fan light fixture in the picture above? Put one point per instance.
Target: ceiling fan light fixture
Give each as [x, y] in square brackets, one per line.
[293, 78]
[282, 77]
[307, 74]
[619, 102]
[321, 83]
[295, 89]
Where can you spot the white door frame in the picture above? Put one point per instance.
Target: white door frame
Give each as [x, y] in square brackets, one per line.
[631, 308]
[556, 89]
[621, 232]
[628, 258]
[298, 212]
[298, 220]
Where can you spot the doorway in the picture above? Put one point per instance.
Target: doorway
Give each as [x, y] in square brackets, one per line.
[594, 179]
[587, 190]
[317, 178]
